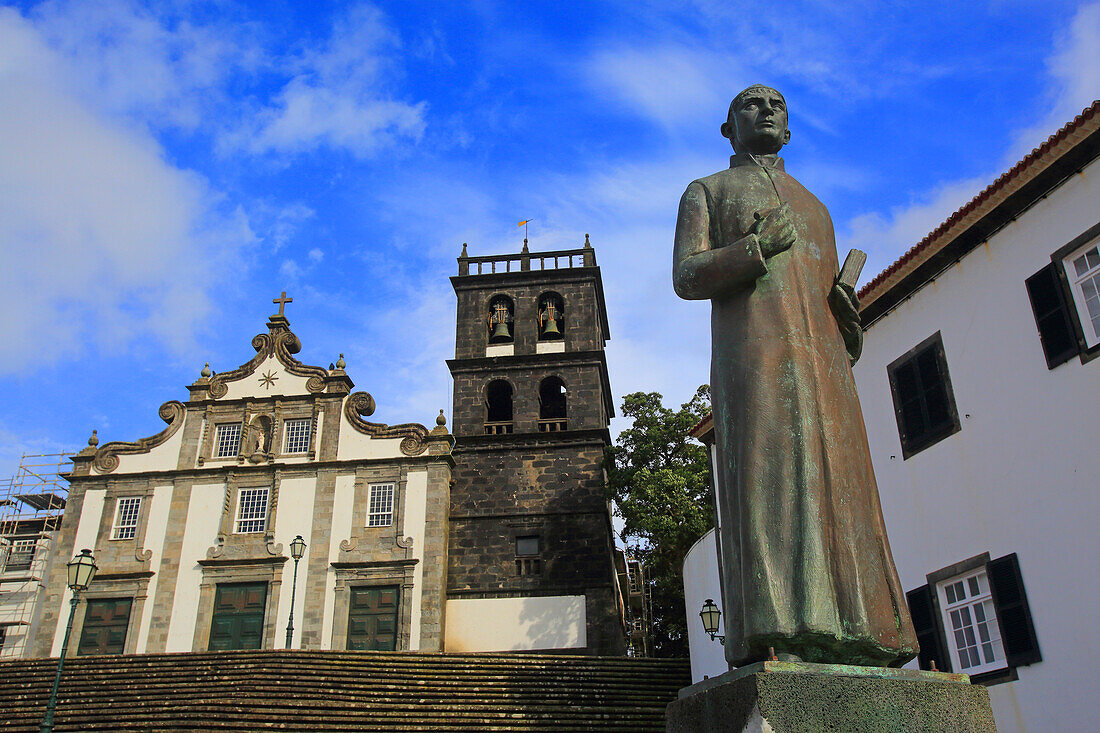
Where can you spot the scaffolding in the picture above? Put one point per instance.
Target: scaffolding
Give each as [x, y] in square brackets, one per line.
[31, 504]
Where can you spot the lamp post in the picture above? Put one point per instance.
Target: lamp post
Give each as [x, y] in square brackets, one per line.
[297, 549]
[710, 615]
[81, 571]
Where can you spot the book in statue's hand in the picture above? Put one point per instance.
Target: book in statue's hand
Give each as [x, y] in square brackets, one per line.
[853, 266]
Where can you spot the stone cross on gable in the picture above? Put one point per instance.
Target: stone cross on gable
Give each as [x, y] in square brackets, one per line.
[282, 300]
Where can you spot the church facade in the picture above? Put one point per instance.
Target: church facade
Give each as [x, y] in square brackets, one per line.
[495, 538]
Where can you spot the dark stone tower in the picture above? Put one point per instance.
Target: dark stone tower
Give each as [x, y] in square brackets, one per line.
[532, 404]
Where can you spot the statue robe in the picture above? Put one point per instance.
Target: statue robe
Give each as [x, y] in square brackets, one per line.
[806, 565]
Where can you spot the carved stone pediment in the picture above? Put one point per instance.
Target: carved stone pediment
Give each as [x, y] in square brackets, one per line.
[360, 405]
[280, 343]
[106, 456]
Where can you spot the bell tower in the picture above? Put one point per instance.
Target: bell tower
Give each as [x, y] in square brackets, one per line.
[530, 529]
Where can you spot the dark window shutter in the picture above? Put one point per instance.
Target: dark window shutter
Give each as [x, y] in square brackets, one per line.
[1013, 612]
[923, 612]
[1052, 316]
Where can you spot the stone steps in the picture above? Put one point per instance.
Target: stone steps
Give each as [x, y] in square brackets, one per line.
[343, 691]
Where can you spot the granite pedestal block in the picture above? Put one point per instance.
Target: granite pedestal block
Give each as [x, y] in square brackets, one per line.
[797, 697]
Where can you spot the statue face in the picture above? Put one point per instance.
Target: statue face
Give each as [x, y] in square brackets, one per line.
[758, 122]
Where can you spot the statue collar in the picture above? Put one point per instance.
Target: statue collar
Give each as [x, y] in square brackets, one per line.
[771, 161]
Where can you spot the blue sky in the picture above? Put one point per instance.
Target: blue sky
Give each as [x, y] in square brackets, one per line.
[166, 170]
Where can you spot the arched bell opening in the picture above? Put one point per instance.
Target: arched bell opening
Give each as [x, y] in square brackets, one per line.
[500, 320]
[552, 405]
[551, 317]
[498, 403]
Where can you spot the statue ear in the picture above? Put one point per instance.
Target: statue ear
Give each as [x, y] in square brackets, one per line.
[786, 136]
[727, 131]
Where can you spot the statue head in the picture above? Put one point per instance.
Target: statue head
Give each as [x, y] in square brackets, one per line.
[757, 121]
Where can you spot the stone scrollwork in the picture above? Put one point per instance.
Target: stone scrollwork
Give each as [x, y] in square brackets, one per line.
[360, 405]
[282, 344]
[106, 457]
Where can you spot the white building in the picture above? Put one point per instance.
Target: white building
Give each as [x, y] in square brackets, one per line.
[981, 395]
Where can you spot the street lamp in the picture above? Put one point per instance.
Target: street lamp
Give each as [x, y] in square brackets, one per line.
[710, 615]
[297, 549]
[81, 571]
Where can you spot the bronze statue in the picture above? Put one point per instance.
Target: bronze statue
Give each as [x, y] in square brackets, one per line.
[806, 564]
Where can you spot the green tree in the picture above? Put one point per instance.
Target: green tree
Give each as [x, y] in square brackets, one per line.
[658, 478]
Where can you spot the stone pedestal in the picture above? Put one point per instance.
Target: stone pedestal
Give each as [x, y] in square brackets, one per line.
[797, 697]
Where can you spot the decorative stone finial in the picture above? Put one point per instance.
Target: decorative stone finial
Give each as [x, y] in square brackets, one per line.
[525, 250]
[94, 440]
[441, 420]
[206, 373]
[340, 363]
[463, 251]
[586, 242]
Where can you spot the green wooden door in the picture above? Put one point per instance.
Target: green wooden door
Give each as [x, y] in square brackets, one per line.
[105, 622]
[238, 616]
[372, 620]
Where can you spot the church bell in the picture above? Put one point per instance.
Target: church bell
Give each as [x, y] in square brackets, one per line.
[550, 326]
[501, 332]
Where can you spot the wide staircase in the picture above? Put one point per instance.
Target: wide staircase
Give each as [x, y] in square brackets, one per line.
[319, 691]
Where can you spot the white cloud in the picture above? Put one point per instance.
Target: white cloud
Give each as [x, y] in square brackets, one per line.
[1074, 79]
[290, 269]
[337, 97]
[102, 239]
[316, 255]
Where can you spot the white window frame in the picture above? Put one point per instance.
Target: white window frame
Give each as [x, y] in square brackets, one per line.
[22, 542]
[295, 442]
[127, 513]
[220, 443]
[255, 519]
[380, 504]
[979, 637]
[1077, 283]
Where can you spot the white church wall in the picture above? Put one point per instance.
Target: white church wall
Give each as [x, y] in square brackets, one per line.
[708, 657]
[515, 624]
[342, 500]
[161, 458]
[1020, 475]
[154, 541]
[416, 508]
[294, 517]
[284, 383]
[355, 445]
[203, 517]
[87, 530]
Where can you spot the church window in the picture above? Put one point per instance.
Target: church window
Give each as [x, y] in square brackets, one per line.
[974, 618]
[528, 561]
[551, 317]
[21, 553]
[500, 320]
[296, 434]
[1083, 270]
[498, 417]
[252, 510]
[126, 518]
[227, 440]
[380, 505]
[924, 403]
[552, 405]
[105, 624]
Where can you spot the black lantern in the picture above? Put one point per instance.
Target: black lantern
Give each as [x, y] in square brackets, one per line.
[298, 548]
[81, 570]
[710, 616]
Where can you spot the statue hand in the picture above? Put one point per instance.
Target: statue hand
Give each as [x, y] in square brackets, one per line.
[775, 232]
[845, 306]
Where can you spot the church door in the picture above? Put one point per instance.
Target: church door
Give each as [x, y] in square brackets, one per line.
[372, 620]
[238, 616]
[105, 622]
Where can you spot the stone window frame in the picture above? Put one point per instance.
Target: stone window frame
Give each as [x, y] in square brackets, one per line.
[215, 572]
[1089, 348]
[106, 586]
[376, 573]
[295, 409]
[365, 477]
[914, 444]
[116, 526]
[124, 552]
